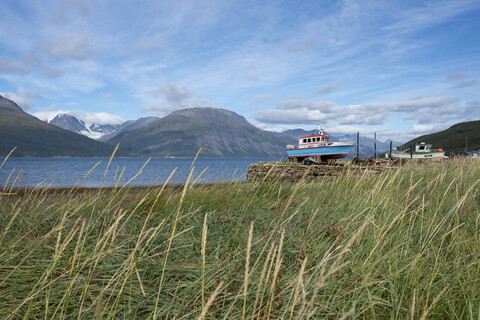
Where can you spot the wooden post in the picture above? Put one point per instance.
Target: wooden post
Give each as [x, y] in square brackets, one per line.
[390, 155]
[375, 146]
[358, 146]
[411, 152]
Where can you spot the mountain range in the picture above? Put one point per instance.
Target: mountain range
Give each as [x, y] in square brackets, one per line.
[118, 134]
[94, 131]
[34, 137]
[219, 132]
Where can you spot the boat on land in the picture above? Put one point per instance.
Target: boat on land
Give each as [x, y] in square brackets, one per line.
[421, 151]
[318, 147]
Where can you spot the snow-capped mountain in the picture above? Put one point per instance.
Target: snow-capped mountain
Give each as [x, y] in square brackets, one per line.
[89, 129]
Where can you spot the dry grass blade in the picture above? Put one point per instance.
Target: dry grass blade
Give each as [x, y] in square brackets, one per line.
[110, 160]
[425, 314]
[211, 300]
[204, 246]
[247, 264]
[8, 155]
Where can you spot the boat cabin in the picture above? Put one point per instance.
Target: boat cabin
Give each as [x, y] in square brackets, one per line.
[318, 140]
[422, 147]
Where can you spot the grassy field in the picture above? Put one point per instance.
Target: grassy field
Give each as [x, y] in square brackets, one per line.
[403, 244]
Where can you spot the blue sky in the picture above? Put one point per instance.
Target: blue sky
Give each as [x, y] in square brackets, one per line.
[400, 68]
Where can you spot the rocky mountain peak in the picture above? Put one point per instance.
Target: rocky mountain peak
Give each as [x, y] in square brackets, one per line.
[68, 122]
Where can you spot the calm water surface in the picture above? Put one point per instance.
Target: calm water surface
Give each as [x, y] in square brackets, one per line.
[68, 172]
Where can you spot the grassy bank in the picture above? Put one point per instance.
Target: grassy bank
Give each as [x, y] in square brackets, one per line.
[402, 244]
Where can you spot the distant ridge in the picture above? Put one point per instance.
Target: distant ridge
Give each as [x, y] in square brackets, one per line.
[128, 126]
[220, 133]
[8, 106]
[34, 137]
[454, 138]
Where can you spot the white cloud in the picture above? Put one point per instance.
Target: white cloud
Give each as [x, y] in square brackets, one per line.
[24, 97]
[69, 10]
[252, 77]
[300, 110]
[309, 104]
[416, 104]
[22, 102]
[326, 89]
[51, 71]
[28, 93]
[472, 110]
[428, 14]
[10, 66]
[291, 116]
[423, 129]
[455, 75]
[464, 84]
[100, 118]
[73, 47]
[146, 45]
[173, 97]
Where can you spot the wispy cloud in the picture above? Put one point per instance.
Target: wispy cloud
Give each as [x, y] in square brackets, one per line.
[10, 66]
[173, 97]
[299, 110]
[428, 14]
[326, 89]
[464, 84]
[73, 47]
[455, 75]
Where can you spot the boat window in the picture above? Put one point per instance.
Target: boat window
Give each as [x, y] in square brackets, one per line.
[318, 138]
[421, 148]
[309, 140]
[304, 140]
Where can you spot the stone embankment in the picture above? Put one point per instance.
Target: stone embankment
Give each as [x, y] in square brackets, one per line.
[292, 173]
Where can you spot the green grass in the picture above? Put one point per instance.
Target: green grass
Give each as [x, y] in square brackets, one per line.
[403, 244]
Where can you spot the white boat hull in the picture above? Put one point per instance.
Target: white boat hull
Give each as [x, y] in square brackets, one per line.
[430, 155]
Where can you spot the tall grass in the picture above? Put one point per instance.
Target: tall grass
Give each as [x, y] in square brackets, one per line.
[401, 244]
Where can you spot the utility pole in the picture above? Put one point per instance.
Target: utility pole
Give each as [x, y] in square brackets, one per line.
[375, 146]
[390, 154]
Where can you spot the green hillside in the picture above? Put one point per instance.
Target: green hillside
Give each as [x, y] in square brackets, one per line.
[219, 132]
[33, 137]
[453, 139]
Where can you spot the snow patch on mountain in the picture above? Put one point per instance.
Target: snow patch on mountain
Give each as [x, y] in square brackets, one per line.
[93, 124]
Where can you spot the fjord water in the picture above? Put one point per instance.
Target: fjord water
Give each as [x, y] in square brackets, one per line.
[69, 172]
